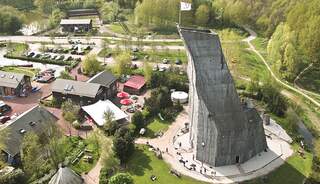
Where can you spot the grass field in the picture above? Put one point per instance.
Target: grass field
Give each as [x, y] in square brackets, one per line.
[117, 28]
[243, 62]
[310, 80]
[156, 126]
[23, 70]
[292, 172]
[158, 56]
[154, 56]
[17, 49]
[74, 145]
[144, 163]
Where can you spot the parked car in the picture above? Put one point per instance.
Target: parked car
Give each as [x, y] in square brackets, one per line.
[4, 108]
[54, 57]
[162, 69]
[31, 54]
[178, 62]
[135, 49]
[67, 58]
[87, 48]
[4, 119]
[45, 79]
[37, 56]
[165, 61]
[61, 57]
[134, 58]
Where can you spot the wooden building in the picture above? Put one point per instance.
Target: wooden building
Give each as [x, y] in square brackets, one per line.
[81, 93]
[76, 25]
[135, 85]
[37, 120]
[108, 81]
[14, 84]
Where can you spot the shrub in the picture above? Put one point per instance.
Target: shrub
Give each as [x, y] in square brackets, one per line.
[121, 178]
[138, 120]
[16, 176]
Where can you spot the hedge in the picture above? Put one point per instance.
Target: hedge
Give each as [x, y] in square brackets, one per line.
[44, 61]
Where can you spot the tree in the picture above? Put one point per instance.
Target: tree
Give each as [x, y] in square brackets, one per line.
[31, 155]
[121, 178]
[66, 75]
[110, 126]
[70, 111]
[54, 144]
[56, 17]
[202, 15]
[46, 6]
[14, 177]
[109, 12]
[3, 138]
[161, 13]
[147, 72]
[10, 20]
[123, 144]
[123, 64]
[138, 120]
[91, 65]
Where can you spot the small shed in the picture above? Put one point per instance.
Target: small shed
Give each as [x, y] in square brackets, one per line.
[135, 85]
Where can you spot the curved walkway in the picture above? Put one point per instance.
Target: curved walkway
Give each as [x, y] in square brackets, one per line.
[93, 175]
[253, 36]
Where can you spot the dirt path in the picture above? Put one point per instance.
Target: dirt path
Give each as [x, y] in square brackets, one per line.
[253, 36]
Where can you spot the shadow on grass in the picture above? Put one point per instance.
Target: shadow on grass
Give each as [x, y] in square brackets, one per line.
[139, 162]
[288, 173]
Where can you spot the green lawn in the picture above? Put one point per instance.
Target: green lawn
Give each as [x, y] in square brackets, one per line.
[292, 172]
[17, 49]
[156, 126]
[261, 45]
[144, 163]
[23, 70]
[158, 56]
[74, 146]
[243, 62]
[154, 56]
[310, 80]
[115, 27]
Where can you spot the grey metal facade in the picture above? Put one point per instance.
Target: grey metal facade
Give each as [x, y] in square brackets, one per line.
[223, 131]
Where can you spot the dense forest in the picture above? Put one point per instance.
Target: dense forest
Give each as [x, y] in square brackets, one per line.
[291, 25]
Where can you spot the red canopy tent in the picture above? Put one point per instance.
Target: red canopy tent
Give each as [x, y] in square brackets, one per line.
[126, 101]
[122, 95]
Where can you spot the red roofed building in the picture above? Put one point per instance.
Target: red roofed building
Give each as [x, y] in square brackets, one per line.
[135, 85]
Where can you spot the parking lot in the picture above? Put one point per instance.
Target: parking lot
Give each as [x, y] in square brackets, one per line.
[22, 104]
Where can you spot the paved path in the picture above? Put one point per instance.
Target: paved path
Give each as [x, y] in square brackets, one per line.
[93, 175]
[253, 36]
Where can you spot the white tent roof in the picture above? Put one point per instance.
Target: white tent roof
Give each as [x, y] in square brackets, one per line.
[96, 111]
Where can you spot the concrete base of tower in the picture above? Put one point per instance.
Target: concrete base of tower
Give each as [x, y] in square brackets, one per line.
[177, 152]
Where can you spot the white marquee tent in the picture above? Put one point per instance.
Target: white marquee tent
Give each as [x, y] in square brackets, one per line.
[96, 111]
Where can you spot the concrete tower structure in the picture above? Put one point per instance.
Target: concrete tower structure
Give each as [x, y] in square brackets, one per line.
[223, 130]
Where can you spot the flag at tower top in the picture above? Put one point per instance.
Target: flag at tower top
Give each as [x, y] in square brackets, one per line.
[185, 6]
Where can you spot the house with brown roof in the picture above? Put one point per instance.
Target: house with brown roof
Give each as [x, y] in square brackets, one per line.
[14, 84]
[82, 93]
